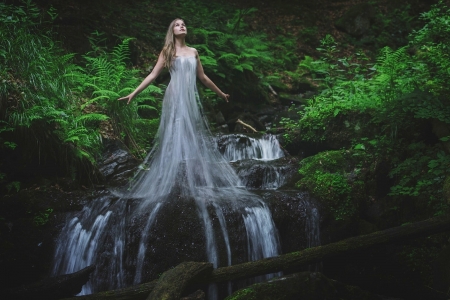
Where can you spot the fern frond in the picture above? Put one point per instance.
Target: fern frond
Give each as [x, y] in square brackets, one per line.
[107, 93]
[147, 107]
[91, 117]
[93, 100]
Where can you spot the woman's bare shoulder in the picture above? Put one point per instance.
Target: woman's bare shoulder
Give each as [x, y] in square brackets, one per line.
[193, 51]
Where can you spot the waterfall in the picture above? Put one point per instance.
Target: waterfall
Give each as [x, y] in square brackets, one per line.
[80, 239]
[143, 243]
[313, 233]
[238, 147]
[118, 234]
[262, 239]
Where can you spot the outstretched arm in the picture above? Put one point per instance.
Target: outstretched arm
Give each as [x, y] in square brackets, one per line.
[149, 79]
[208, 82]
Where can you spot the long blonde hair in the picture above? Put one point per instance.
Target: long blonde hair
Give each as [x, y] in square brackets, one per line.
[168, 50]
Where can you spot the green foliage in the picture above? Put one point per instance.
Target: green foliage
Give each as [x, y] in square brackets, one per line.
[42, 217]
[390, 25]
[231, 52]
[392, 88]
[107, 77]
[62, 106]
[432, 42]
[423, 172]
[36, 83]
[399, 87]
[235, 56]
[14, 185]
[326, 178]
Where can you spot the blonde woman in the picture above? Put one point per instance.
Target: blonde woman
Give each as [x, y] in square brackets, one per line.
[184, 156]
[175, 47]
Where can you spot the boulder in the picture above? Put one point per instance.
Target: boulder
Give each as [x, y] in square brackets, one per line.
[117, 163]
[357, 20]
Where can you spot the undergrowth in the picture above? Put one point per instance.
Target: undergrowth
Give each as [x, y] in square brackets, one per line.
[403, 88]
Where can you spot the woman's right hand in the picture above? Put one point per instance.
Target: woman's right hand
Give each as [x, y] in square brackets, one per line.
[128, 98]
[224, 96]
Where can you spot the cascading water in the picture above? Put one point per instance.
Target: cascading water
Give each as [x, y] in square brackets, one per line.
[239, 147]
[98, 234]
[119, 235]
[313, 232]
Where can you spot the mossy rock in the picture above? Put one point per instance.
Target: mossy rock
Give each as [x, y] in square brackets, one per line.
[357, 20]
[332, 178]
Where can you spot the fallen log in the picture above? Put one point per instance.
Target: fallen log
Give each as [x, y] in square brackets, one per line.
[295, 260]
[172, 283]
[135, 292]
[53, 287]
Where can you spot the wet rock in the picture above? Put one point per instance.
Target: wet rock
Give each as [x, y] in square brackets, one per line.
[220, 120]
[297, 218]
[223, 129]
[117, 164]
[266, 175]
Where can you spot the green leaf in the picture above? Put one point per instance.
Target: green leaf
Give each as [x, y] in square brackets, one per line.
[359, 147]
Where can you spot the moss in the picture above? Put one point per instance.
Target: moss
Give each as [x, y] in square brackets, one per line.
[331, 177]
[247, 294]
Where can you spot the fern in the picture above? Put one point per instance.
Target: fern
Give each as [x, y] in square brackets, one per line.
[106, 78]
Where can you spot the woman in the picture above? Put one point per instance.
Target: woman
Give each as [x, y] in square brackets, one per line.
[174, 47]
[185, 173]
[184, 157]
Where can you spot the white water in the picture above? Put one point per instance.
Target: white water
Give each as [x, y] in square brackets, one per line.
[78, 245]
[239, 147]
[143, 244]
[185, 164]
[313, 233]
[262, 238]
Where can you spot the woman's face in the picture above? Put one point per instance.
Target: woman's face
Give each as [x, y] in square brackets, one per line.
[179, 28]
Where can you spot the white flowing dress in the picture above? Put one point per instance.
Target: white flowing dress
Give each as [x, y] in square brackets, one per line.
[184, 155]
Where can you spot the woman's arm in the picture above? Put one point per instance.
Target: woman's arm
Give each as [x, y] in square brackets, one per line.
[149, 79]
[208, 82]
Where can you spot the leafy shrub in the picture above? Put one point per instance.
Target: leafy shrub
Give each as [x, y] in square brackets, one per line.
[402, 85]
[36, 90]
